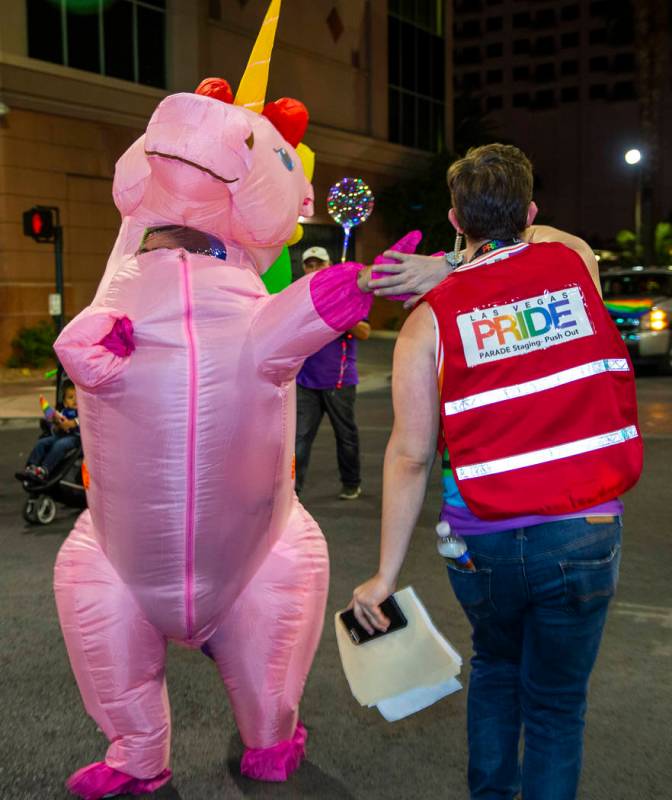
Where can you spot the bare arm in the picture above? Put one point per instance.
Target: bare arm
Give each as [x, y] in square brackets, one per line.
[544, 233]
[409, 273]
[408, 460]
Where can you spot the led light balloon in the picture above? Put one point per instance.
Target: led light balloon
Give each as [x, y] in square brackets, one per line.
[349, 203]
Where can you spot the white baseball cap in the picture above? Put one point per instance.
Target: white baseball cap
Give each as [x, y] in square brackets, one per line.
[315, 252]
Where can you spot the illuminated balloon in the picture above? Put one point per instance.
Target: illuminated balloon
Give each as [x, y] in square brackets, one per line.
[349, 203]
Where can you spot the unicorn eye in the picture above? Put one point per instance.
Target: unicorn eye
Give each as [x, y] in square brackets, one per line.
[285, 157]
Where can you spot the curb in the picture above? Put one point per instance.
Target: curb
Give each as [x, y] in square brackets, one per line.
[19, 423]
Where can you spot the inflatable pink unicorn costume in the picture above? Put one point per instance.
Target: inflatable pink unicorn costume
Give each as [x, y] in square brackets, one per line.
[185, 367]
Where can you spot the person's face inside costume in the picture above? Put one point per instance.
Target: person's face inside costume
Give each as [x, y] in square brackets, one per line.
[313, 264]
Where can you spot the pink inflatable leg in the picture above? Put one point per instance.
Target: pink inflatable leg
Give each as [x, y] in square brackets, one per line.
[118, 659]
[266, 644]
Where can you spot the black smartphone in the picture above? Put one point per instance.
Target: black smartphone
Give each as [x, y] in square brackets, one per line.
[389, 607]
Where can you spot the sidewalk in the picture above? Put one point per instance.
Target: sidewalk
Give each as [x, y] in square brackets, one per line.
[19, 392]
[19, 396]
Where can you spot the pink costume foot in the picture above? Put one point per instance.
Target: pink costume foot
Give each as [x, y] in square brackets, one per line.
[275, 763]
[98, 780]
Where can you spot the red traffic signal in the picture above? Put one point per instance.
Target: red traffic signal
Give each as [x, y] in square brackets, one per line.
[38, 223]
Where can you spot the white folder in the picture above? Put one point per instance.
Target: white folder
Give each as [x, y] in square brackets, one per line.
[405, 670]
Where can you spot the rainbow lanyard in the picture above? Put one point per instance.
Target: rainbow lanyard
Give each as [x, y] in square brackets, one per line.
[493, 244]
[344, 359]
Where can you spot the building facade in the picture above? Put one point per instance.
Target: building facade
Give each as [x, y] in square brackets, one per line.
[564, 81]
[79, 81]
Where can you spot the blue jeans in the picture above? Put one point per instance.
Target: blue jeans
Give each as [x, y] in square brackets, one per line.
[537, 603]
[50, 450]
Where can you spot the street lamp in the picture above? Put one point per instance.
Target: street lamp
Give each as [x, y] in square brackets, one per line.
[633, 157]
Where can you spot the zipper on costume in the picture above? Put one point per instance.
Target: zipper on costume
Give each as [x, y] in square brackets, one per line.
[191, 447]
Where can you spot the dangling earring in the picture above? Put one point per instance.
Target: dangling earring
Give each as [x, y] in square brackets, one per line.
[456, 258]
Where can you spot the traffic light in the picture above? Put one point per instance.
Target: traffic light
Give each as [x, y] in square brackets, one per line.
[38, 223]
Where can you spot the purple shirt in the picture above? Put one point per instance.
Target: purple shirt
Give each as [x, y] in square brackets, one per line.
[335, 363]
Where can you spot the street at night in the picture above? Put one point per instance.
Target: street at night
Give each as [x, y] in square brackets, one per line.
[352, 752]
[220, 224]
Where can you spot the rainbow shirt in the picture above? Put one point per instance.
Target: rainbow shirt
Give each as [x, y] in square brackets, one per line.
[465, 523]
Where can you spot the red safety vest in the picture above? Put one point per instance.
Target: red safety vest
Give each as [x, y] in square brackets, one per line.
[538, 402]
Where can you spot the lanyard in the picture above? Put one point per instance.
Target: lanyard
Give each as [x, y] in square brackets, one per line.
[493, 244]
[344, 359]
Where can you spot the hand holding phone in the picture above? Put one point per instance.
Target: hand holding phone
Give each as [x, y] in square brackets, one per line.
[389, 607]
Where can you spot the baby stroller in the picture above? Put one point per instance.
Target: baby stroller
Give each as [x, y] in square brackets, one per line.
[64, 485]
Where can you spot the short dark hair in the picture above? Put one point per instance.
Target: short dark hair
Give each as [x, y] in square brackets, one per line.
[491, 190]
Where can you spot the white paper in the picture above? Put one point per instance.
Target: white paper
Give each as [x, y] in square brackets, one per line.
[403, 705]
[415, 657]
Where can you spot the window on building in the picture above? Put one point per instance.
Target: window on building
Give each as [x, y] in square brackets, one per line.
[521, 19]
[125, 39]
[544, 18]
[599, 64]
[495, 76]
[599, 8]
[569, 68]
[624, 90]
[623, 62]
[521, 100]
[544, 73]
[598, 91]
[570, 39]
[569, 94]
[544, 99]
[416, 63]
[544, 46]
[570, 13]
[494, 24]
[521, 46]
[597, 36]
[471, 80]
[494, 2]
[494, 50]
[521, 73]
[471, 28]
[468, 55]
[461, 6]
[494, 102]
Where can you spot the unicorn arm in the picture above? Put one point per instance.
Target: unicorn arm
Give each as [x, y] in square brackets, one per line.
[297, 322]
[95, 346]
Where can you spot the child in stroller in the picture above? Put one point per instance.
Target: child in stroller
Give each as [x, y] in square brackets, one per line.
[54, 468]
[51, 450]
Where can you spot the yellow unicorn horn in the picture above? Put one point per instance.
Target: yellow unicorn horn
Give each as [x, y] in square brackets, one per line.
[252, 89]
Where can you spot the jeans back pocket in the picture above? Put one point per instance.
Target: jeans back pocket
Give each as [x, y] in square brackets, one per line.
[590, 585]
[472, 590]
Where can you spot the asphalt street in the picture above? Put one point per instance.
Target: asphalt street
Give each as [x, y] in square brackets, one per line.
[353, 752]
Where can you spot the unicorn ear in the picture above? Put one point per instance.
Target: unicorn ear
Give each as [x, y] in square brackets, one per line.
[290, 117]
[216, 88]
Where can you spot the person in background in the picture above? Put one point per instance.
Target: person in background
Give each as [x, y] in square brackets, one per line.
[50, 450]
[536, 413]
[327, 384]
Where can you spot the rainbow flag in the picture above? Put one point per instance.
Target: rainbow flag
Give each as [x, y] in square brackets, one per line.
[635, 307]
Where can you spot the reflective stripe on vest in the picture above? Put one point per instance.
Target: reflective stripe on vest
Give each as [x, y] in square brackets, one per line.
[547, 454]
[537, 385]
